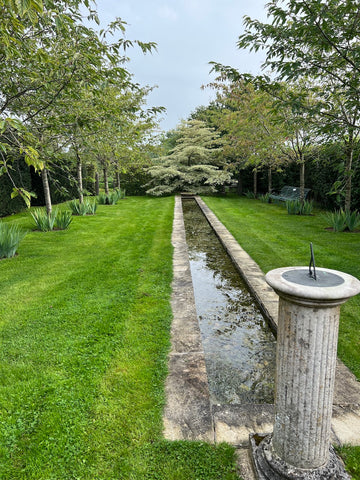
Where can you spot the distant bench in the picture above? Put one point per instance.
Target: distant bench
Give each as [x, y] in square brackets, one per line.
[288, 193]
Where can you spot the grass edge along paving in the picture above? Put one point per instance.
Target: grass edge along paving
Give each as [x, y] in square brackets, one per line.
[275, 239]
[85, 331]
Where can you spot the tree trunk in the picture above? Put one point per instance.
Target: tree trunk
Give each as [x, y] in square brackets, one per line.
[348, 173]
[255, 182]
[47, 195]
[90, 178]
[106, 180]
[97, 183]
[118, 184]
[269, 180]
[239, 187]
[302, 178]
[79, 177]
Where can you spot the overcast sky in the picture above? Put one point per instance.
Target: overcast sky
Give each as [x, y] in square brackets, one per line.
[189, 34]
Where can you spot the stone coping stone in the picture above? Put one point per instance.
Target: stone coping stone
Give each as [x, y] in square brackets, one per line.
[189, 413]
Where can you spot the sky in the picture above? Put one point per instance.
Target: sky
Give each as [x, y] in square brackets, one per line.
[189, 34]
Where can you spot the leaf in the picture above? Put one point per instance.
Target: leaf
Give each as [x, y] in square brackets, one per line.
[32, 158]
[24, 194]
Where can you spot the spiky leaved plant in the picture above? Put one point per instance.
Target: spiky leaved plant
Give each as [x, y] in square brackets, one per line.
[10, 238]
[44, 221]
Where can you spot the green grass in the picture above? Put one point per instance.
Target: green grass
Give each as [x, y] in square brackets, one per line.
[275, 239]
[351, 457]
[84, 334]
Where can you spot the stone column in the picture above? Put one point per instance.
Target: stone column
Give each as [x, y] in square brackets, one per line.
[309, 312]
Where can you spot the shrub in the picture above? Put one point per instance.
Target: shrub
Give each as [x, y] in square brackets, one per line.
[63, 220]
[43, 221]
[336, 220]
[10, 238]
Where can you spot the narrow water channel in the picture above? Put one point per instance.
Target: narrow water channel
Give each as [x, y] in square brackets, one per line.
[238, 344]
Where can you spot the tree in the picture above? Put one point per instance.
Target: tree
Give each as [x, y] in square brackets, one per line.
[316, 40]
[48, 57]
[191, 165]
[250, 133]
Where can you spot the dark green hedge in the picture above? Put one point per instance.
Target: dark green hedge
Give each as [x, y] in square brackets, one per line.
[22, 178]
[134, 180]
[321, 172]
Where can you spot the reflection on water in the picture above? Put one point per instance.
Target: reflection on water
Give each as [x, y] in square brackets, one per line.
[239, 346]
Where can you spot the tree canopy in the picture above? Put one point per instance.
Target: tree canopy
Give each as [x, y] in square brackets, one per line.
[191, 165]
[57, 73]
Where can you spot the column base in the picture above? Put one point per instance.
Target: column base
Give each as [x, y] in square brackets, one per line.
[269, 467]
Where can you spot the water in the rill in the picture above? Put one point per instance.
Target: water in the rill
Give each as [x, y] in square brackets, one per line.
[238, 344]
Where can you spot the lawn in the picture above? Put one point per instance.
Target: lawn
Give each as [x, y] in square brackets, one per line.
[84, 327]
[275, 239]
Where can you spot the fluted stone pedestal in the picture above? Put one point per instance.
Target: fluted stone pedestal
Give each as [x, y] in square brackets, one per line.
[309, 312]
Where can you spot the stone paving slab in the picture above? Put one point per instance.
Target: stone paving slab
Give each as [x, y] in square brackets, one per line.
[234, 423]
[189, 413]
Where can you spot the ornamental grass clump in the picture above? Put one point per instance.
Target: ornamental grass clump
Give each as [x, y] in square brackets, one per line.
[264, 198]
[91, 206]
[44, 222]
[296, 207]
[10, 238]
[352, 221]
[111, 198]
[63, 220]
[77, 208]
[87, 207]
[340, 220]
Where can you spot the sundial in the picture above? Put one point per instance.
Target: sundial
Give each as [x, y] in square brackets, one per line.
[312, 278]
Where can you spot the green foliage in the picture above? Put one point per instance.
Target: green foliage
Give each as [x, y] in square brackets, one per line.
[296, 207]
[91, 206]
[341, 220]
[44, 222]
[264, 198]
[352, 221]
[351, 456]
[21, 176]
[87, 207]
[10, 238]
[62, 78]
[77, 208]
[134, 180]
[250, 194]
[293, 207]
[63, 220]
[192, 165]
[112, 198]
